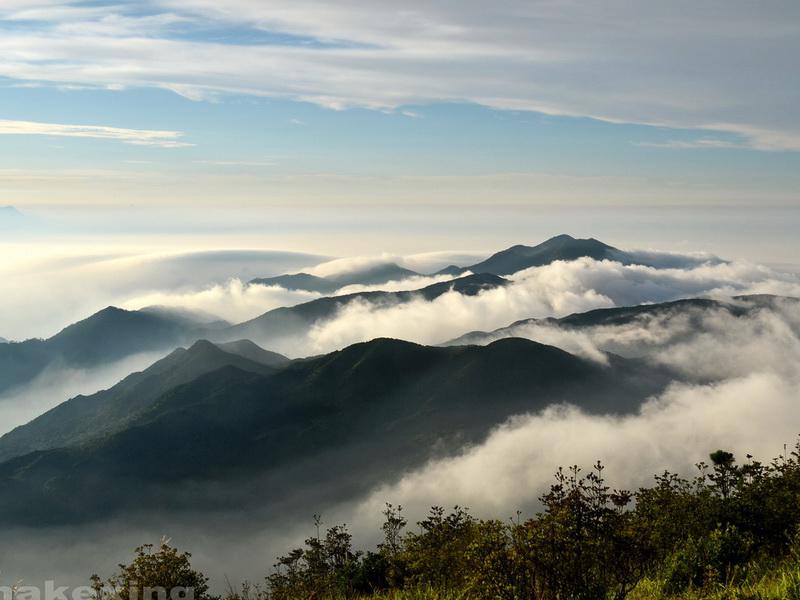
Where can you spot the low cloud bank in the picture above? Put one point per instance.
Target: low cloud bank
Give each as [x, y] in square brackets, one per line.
[424, 263]
[396, 285]
[59, 383]
[233, 301]
[697, 343]
[557, 289]
[673, 260]
[752, 408]
[52, 289]
[756, 414]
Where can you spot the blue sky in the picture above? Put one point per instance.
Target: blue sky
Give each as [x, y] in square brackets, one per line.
[247, 102]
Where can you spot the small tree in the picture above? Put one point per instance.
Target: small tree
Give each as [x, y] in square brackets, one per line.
[435, 555]
[725, 474]
[160, 573]
[392, 545]
[326, 566]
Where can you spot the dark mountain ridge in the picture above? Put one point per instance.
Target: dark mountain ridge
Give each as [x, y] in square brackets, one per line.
[505, 262]
[341, 423]
[692, 308]
[560, 247]
[113, 333]
[83, 418]
[107, 336]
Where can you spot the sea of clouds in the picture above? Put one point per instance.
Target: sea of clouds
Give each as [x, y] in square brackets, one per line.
[737, 387]
[555, 290]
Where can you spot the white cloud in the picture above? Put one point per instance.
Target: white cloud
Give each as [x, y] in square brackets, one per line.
[756, 414]
[753, 410]
[234, 301]
[90, 279]
[426, 262]
[701, 144]
[59, 383]
[553, 290]
[341, 267]
[617, 61]
[139, 137]
[699, 344]
[430, 262]
[237, 163]
[397, 285]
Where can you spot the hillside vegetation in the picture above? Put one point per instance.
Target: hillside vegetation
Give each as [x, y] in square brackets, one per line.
[730, 532]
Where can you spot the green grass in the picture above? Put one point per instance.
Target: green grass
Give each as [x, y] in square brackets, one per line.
[777, 583]
[422, 594]
[781, 583]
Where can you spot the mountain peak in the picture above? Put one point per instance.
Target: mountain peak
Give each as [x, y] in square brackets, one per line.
[111, 310]
[561, 247]
[11, 218]
[252, 351]
[201, 346]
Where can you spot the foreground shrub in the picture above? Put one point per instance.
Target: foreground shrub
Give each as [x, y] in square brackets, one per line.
[729, 532]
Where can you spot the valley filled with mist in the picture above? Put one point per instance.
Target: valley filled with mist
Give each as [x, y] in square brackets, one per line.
[225, 414]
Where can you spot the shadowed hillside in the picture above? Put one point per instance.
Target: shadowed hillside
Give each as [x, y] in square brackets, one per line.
[106, 336]
[87, 417]
[336, 424]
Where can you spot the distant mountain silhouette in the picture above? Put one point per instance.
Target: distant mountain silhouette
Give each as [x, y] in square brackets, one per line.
[106, 336]
[113, 333]
[331, 426]
[374, 275]
[693, 309]
[452, 271]
[505, 262]
[87, 417]
[295, 320]
[9, 213]
[299, 281]
[560, 247]
[11, 218]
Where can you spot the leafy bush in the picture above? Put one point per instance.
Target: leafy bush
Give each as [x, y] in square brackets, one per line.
[729, 532]
[154, 573]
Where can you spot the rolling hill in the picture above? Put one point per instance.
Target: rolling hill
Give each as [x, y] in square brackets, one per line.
[691, 310]
[84, 418]
[113, 333]
[330, 427]
[104, 337]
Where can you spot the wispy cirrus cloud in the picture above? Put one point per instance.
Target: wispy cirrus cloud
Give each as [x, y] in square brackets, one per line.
[700, 144]
[720, 66]
[139, 137]
[238, 163]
